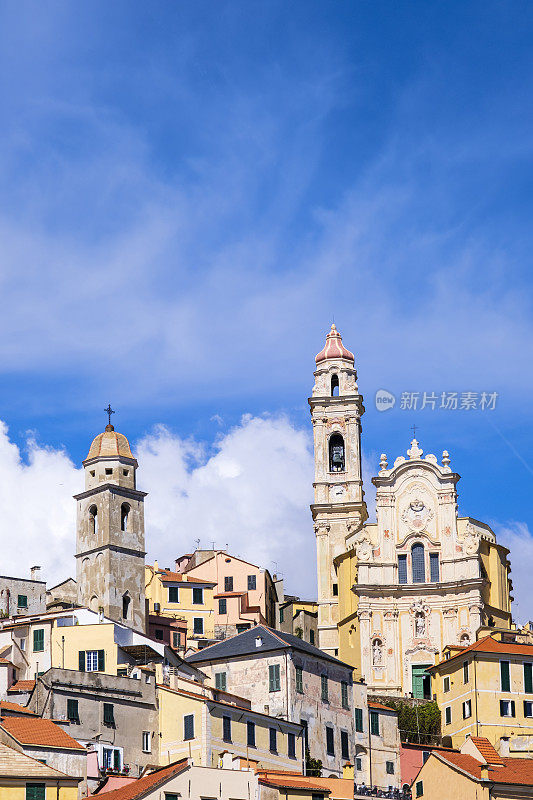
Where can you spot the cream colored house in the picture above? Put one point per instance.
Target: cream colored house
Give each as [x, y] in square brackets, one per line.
[19, 771]
[377, 742]
[182, 596]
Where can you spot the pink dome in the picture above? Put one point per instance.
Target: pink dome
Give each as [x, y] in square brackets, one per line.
[334, 348]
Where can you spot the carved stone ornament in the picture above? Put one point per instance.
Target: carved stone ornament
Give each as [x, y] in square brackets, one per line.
[419, 607]
[472, 539]
[417, 515]
[364, 550]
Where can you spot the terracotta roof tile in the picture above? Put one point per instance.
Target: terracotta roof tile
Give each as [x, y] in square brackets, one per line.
[167, 576]
[7, 706]
[490, 645]
[229, 594]
[18, 765]
[148, 783]
[486, 749]
[22, 686]
[39, 731]
[109, 443]
[381, 707]
[515, 771]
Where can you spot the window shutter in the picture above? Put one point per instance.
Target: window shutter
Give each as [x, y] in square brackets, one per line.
[81, 660]
[505, 676]
[188, 726]
[374, 723]
[359, 720]
[72, 710]
[250, 734]
[528, 678]
[291, 745]
[502, 708]
[512, 708]
[101, 660]
[330, 745]
[226, 723]
[116, 759]
[274, 684]
[345, 752]
[273, 741]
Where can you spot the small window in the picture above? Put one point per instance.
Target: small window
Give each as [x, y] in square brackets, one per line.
[126, 600]
[228, 583]
[345, 748]
[188, 727]
[273, 738]
[335, 590]
[299, 680]
[419, 788]
[344, 694]
[358, 720]
[92, 473]
[330, 742]
[159, 634]
[125, 472]
[93, 520]
[250, 734]
[198, 626]
[252, 582]
[173, 594]
[402, 569]
[334, 385]
[108, 471]
[109, 715]
[281, 615]
[226, 729]
[222, 606]
[324, 688]
[35, 791]
[389, 767]
[73, 714]
[22, 601]
[147, 742]
[336, 453]
[418, 563]
[358, 764]
[425, 756]
[446, 684]
[467, 709]
[38, 640]
[274, 681]
[528, 678]
[507, 708]
[198, 596]
[291, 745]
[434, 567]
[528, 708]
[220, 681]
[374, 723]
[124, 516]
[448, 715]
[505, 676]
[311, 636]
[465, 672]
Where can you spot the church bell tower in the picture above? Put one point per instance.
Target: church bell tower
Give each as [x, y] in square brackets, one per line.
[110, 532]
[339, 509]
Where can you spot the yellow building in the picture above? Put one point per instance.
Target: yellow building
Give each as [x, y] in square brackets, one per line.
[477, 772]
[172, 594]
[486, 689]
[25, 778]
[213, 732]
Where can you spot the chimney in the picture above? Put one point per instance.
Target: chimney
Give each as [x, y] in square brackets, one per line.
[484, 772]
[35, 573]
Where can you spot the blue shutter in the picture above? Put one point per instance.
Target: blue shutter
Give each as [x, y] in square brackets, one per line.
[434, 567]
[419, 567]
[188, 726]
[402, 569]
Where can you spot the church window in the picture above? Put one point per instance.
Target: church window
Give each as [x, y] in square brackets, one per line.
[336, 453]
[108, 471]
[465, 640]
[334, 385]
[377, 652]
[418, 563]
[126, 600]
[434, 567]
[402, 569]
[124, 516]
[93, 520]
[125, 472]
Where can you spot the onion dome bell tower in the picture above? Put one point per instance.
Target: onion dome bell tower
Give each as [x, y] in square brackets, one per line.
[110, 546]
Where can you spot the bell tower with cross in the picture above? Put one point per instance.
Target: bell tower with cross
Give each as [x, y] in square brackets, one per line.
[110, 531]
[339, 509]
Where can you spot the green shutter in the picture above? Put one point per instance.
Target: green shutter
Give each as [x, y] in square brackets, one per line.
[274, 684]
[72, 710]
[374, 723]
[528, 678]
[101, 661]
[359, 720]
[299, 680]
[35, 791]
[81, 660]
[116, 759]
[38, 640]
[505, 676]
[344, 694]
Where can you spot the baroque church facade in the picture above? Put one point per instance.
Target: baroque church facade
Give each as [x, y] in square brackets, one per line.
[393, 593]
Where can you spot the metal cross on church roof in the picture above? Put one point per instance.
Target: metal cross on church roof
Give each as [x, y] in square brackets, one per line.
[415, 428]
[109, 411]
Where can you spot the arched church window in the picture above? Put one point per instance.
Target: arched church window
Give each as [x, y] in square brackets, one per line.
[465, 640]
[124, 516]
[377, 652]
[336, 453]
[126, 600]
[93, 520]
[334, 385]
[418, 563]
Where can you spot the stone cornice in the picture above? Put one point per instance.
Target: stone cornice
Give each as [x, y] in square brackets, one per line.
[413, 589]
[128, 551]
[123, 491]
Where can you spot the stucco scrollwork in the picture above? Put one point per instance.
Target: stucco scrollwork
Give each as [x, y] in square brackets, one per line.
[417, 515]
[364, 550]
[472, 538]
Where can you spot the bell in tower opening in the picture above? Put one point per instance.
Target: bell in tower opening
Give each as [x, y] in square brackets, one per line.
[336, 453]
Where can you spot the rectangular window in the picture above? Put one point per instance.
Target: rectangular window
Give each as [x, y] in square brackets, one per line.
[228, 583]
[324, 688]
[38, 640]
[109, 714]
[425, 756]
[359, 720]
[291, 745]
[222, 606]
[344, 694]
[188, 727]
[252, 582]
[159, 633]
[173, 594]
[446, 684]
[528, 708]
[220, 681]
[467, 709]
[434, 567]
[528, 678]
[175, 639]
[311, 636]
[280, 616]
[35, 791]
[335, 590]
[226, 729]
[402, 569]
[507, 708]
[73, 714]
[465, 672]
[198, 626]
[358, 764]
[273, 740]
[418, 563]
[389, 767]
[274, 683]
[505, 678]
[448, 715]
[299, 680]
[419, 788]
[345, 749]
[198, 596]
[250, 734]
[91, 660]
[147, 742]
[22, 601]
[330, 743]
[374, 723]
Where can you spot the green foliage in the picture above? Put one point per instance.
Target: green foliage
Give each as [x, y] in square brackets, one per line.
[300, 634]
[419, 724]
[313, 766]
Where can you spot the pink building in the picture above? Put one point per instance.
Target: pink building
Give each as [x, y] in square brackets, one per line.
[413, 757]
[244, 595]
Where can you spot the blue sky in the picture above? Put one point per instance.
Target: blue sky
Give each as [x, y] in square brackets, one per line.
[190, 192]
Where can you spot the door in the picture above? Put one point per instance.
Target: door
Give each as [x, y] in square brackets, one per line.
[421, 682]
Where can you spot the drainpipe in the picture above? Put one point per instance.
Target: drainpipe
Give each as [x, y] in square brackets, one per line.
[369, 749]
[475, 695]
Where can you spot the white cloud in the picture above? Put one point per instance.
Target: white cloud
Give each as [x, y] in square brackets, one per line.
[517, 537]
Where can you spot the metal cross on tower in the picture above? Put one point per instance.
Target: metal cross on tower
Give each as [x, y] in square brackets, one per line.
[415, 429]
[109, 411]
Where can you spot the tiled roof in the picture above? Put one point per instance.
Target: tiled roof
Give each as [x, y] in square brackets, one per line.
[22, 686]
[229, 594]
[515, 771]
[486, 750]
[148, 783]
[490, 645]
[6, 662]
[18, 765]
[16, 707]
[334, 348]
[291, 780]
[38, 731]
[109, 443]
[167, 576]
[381, 707]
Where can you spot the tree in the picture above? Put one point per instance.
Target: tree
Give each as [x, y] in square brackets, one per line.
[418, 724]
[313, 766]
